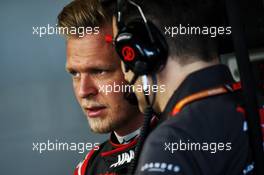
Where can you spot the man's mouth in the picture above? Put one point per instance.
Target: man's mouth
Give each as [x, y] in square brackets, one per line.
[95, 111]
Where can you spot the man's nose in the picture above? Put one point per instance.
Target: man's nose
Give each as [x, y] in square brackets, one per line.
[87, 87]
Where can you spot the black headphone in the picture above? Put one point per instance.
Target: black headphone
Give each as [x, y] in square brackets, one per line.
[139, 43]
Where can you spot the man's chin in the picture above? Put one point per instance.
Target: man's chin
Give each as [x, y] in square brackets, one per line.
[100, 126]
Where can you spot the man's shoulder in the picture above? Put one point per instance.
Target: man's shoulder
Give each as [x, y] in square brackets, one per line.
[89, 158]
[161, 155]
[211, 116]
[199, 122]
[199, 134]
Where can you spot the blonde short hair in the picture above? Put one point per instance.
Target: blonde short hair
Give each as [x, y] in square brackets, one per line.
[83, 13]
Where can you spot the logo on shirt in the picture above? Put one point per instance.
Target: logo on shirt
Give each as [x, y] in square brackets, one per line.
[160, 167]
[124, 158]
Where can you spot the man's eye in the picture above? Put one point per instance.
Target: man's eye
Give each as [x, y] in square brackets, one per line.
[74, 74]
[98, 72]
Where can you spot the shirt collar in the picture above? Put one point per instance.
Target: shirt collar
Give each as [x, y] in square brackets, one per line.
[203, 79]
[127, 138]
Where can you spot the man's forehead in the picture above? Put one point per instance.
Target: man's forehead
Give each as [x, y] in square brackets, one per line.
[86, 42]
[97, 39]
[91, 49]
[90, 54]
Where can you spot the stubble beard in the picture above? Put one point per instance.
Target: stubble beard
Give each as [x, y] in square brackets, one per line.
[107, 124]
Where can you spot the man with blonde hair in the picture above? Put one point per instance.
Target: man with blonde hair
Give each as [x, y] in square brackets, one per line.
[94, 65]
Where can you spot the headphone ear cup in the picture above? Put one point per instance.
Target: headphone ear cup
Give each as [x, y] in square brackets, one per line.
[138, 51]
[161, 45]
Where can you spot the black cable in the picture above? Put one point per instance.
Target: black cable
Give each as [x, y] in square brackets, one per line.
[248, 84]
[148, 113]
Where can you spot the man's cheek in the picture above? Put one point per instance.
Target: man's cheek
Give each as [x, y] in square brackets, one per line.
[75, 89]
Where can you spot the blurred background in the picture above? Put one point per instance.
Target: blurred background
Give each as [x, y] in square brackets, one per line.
[37, 103]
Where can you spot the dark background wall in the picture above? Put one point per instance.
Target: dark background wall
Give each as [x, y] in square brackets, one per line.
[36, 99]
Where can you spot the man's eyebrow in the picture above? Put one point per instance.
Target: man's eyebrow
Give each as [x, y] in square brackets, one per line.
[69, 68]
[101, 66]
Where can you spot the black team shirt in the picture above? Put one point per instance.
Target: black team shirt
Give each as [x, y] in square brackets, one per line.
[207, 137]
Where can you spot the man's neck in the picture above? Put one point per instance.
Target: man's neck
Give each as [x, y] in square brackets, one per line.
[133, 123]
[172, 76]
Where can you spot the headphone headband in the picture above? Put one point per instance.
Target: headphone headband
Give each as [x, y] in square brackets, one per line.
[139, 43]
